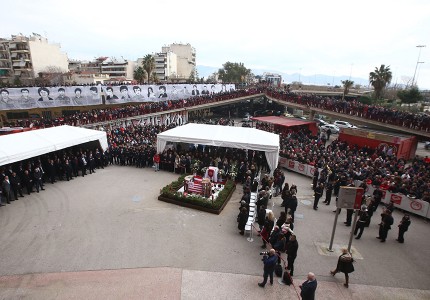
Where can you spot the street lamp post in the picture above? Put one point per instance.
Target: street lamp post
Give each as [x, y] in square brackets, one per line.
[418, 62]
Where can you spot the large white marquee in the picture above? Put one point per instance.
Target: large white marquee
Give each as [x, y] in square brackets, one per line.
[19, 146]
[224, 136]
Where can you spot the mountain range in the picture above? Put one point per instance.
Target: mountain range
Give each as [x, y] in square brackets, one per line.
[317, 79]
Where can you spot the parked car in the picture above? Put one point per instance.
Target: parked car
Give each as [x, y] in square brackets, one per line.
[320, 122]
[333, 128]
[344, 124]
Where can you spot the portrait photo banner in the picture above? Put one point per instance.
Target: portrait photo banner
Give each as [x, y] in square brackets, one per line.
[36, 97]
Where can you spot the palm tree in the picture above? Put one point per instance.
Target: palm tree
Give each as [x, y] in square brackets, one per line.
[347, 84]
[379, 79]
[139, 75]
[148, 65]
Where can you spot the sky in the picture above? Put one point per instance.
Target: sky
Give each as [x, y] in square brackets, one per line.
[335, 38]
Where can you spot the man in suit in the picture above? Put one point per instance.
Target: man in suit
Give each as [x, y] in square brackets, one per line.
[318, 193]
[309, 287]
[6, 190]
[15, 182]
[385, 225]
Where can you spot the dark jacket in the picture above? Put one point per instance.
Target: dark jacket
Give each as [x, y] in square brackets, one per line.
[292, 247]
[344, 264]
[308, 290]
[270, 263]
[242, 218]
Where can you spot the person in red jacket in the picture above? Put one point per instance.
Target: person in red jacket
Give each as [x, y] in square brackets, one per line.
[156, 160]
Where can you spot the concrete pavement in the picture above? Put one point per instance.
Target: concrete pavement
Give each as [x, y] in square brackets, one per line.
[109, 230]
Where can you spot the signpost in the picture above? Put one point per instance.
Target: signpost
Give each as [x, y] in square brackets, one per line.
[349, 198]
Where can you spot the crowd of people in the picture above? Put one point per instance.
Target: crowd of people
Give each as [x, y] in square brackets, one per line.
[377, 166]
[417, 121]
[32, 175]
[114, 113]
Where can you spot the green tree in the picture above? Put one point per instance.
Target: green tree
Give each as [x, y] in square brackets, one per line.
[139, 75]
[233, 72]
[148, 64]
[154, 78]
[412, 95]
[347, 84]
[379, 79]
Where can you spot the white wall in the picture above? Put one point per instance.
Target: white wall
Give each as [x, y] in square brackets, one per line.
[45, 55]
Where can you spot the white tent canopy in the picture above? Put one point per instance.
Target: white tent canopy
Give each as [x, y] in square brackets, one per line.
[24, 145]
[224, 136]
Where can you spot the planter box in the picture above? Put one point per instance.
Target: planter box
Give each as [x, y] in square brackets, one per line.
[196, 206]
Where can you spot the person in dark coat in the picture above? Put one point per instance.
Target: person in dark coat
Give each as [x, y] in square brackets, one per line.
[385, 225]
[16, 186]
[361, 222]
[318, 193]
[344, 265]
[292, 205]
[328, 192]
[280, 245]
[315, 178]
[349, 213]
[291, 249]
[28, 182]
[403, 227]
[269, 267]
[282, 219]
[285, 195]
[38, 179]
[309, 287]
[261, 217]
[242, 218]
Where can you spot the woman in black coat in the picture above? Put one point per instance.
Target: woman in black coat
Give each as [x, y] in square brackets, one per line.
[242, 218]
[344, 265]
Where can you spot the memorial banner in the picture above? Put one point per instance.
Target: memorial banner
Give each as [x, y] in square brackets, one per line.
[34, 97]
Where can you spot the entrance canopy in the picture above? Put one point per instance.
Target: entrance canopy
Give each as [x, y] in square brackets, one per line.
[224, 136]
[23, 145]
[288, 122]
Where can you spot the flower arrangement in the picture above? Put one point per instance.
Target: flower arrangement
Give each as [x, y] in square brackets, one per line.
[196, 166]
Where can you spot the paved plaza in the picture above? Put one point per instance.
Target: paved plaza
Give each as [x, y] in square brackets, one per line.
[106, 236]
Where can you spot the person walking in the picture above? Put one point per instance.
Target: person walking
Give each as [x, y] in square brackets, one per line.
[344, 265]
[309, 287]
[403, 227]
[269, 262]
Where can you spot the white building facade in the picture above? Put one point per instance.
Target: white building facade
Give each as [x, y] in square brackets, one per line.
[29, 56]
[185, 58]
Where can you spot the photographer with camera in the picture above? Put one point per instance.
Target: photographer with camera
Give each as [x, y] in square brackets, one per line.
[269, 259]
